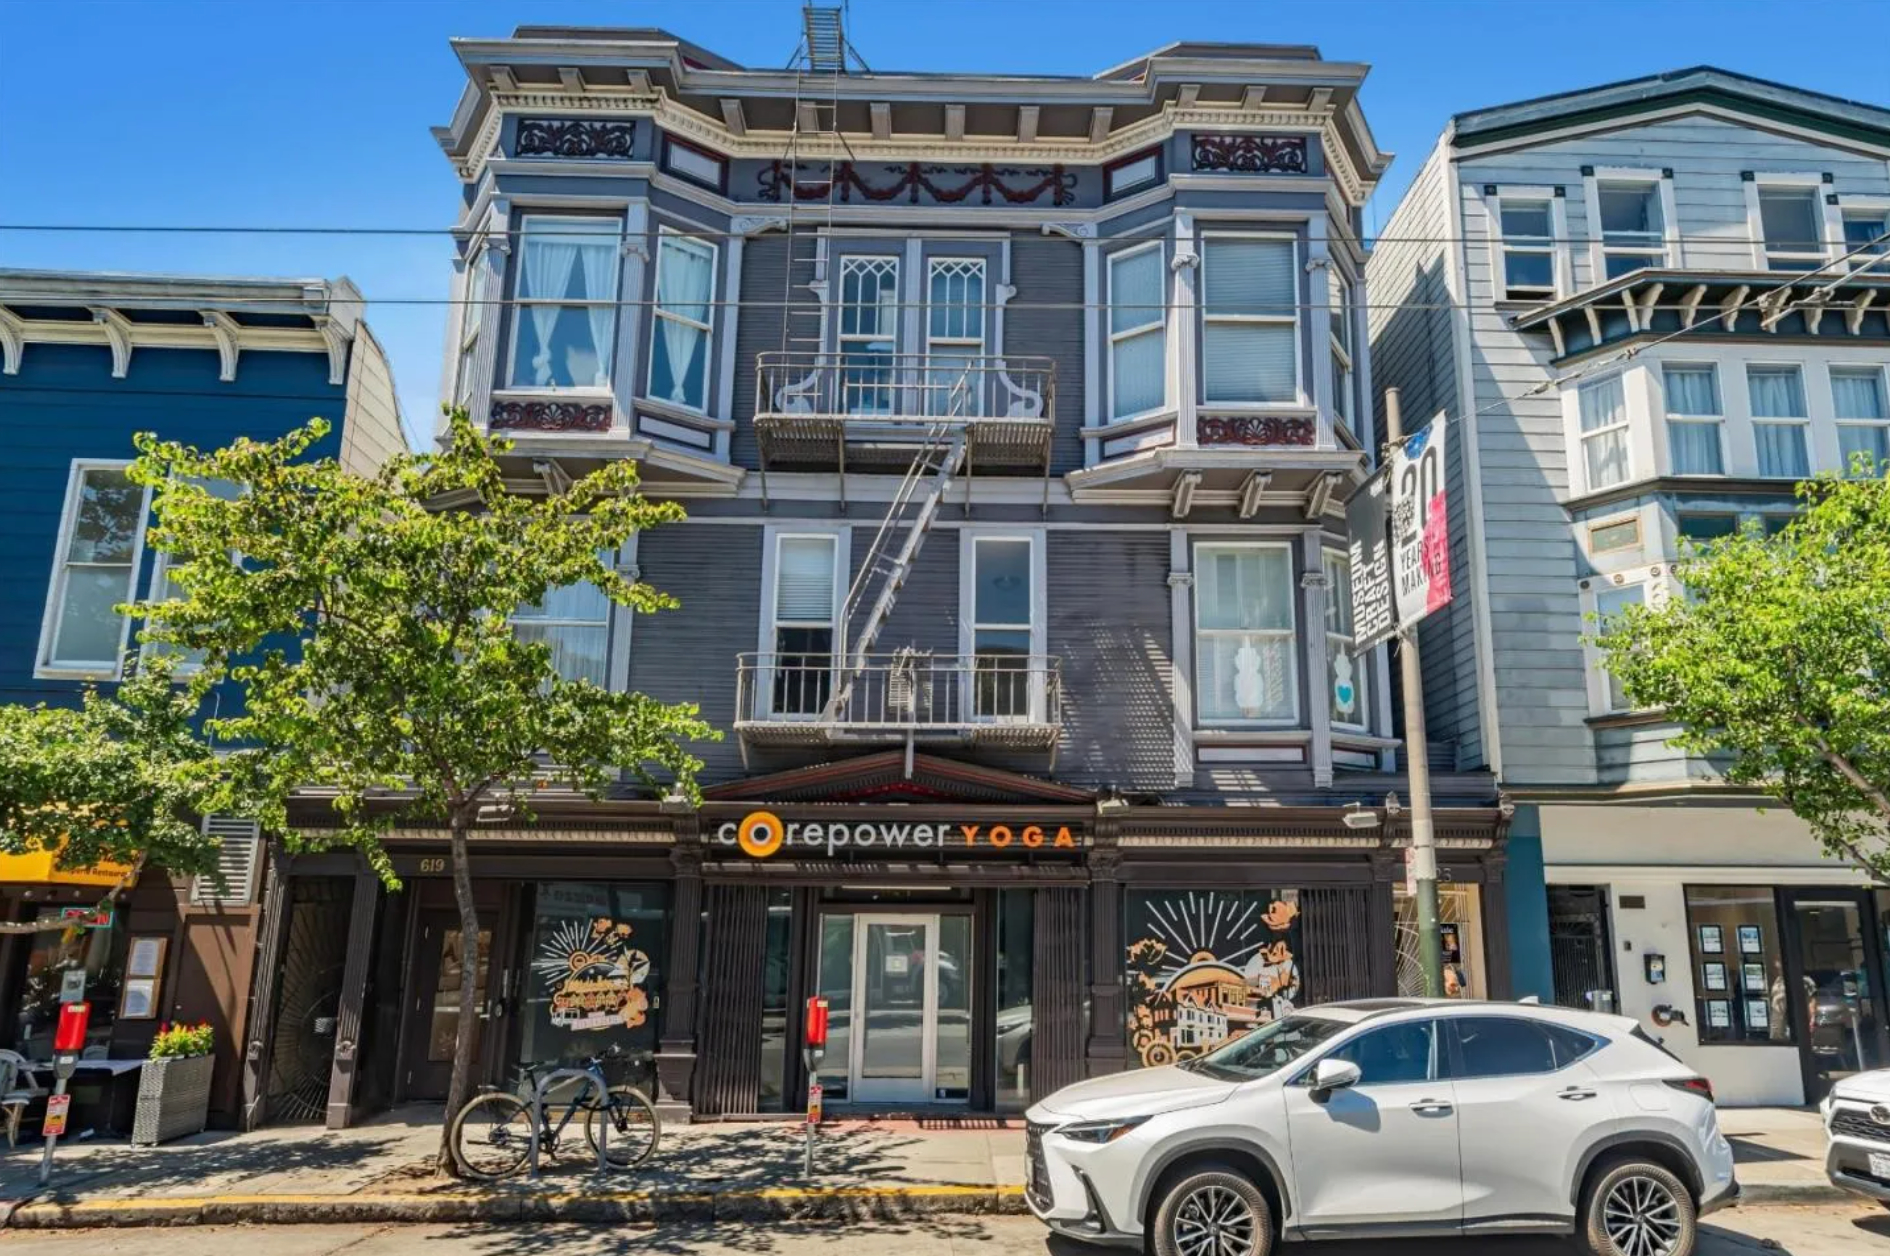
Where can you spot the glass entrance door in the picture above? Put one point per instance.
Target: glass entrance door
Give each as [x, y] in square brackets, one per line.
[1842, 1016]
[899, 995]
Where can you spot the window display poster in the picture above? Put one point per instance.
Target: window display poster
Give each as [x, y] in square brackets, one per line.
[1711, 942]
[1719, 1014]
[1757, 1015]
[1714, 975]
[146, 958]
[140, 999]
[1205, 966]
[1749, 943]
[1755, 978]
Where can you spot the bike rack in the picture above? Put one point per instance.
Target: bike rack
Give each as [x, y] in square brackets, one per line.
[539, 1092]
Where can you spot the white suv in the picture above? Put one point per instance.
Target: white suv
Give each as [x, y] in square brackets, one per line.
[1857, 1126]
[1386, 1118]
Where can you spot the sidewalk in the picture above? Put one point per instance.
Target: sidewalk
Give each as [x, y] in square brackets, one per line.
[382, 1171]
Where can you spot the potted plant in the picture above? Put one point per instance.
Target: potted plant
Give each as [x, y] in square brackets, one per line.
[174, 1085]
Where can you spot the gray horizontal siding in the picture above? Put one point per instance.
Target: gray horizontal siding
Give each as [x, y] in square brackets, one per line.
[1050, 272]
[1109, 621]
[925, 617]
[688, 654]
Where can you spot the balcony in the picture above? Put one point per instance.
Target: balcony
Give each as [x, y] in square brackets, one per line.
[866, 409]
[1012, 702]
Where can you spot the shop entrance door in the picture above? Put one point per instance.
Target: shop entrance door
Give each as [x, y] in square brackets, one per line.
[433, 1011]
[907, 1029]
[1841, 979]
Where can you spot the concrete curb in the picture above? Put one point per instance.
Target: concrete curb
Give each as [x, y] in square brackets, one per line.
[646, 1207]
[1762, 1194]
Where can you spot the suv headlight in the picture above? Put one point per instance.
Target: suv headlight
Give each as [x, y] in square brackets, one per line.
[1825, 1106]
[1099, 1131]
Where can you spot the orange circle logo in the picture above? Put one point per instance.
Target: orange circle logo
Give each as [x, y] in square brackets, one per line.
[761, 834]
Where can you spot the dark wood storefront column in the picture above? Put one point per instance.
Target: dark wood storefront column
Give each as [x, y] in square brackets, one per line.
[1387, 870]
[676, 1049]
[262, 1012]
[353, 994]
[1105, 1051]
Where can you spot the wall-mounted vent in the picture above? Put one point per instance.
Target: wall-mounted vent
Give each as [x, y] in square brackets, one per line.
[237, 859]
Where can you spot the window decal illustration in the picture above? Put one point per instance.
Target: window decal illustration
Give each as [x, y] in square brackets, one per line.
[1204, 967]
[595, 976]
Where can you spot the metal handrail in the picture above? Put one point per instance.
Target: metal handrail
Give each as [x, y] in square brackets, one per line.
[900, 691]
[888, 387]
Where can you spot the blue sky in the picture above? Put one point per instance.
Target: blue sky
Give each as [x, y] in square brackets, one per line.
[315, 113]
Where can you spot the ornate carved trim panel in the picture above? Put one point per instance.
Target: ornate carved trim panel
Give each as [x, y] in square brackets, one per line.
[1250, 154]
[550, 416]
[946, 185]
[558, 137]
[1254, 429]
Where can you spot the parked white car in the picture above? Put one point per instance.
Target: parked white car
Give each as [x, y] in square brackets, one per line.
[1857, 1130]
[1389, 1118]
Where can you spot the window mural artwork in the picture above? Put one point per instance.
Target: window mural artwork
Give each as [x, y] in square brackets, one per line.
[1205, 966]
[595, 976]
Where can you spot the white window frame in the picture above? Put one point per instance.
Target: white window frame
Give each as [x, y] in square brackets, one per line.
[1625, 427]
[1600, 250]
[1839, 422]
[1556, 246]
[472, 323]
[1157, 325]
[978, 345]
[1756, 421]
[666, 234]
[968, 623]
[1656, 587]
[45, 666]
[888, 264]
[1668, 418]
[1336, 564]
[520, 305]
[1789, 181]
[842, 541]
[1293, 654]
[1297, 268]
[545, 621]
[159, 590]
[1344, 298]
[1876, 208]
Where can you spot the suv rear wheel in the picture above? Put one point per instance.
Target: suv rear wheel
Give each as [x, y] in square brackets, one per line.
[1638, 1208]
[1213, 1212]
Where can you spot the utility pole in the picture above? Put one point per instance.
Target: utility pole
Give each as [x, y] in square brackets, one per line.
[1417, 752]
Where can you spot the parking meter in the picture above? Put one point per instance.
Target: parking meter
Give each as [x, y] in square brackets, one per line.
[813, 1050]
[68, 1042]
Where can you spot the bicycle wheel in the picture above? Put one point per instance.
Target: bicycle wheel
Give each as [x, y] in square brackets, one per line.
[492, 1135]
[634, 1129]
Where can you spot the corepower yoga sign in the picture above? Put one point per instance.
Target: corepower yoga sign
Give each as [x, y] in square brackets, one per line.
[762, 833]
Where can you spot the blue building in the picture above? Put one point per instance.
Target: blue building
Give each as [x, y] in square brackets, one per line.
[86, 361]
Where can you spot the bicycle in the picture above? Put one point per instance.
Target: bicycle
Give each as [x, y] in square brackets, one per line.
[492, 1134]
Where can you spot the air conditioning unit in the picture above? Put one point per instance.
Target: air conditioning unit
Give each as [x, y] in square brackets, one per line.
[238, 857]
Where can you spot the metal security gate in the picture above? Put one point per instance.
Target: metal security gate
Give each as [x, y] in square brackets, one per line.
[308, 995]
[728, 1066]
[1338, 944]
[1580, 954]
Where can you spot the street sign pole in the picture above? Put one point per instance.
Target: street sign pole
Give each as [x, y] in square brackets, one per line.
[1417, 753]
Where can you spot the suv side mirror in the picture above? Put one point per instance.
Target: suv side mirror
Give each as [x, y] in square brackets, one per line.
[1331, 1075]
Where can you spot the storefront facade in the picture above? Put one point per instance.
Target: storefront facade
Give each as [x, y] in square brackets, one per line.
[1728, 933]
[982, 938]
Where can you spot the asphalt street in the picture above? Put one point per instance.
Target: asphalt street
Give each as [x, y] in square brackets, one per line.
[1827, 1231]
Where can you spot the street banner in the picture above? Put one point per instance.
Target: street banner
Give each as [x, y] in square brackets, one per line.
[1420, 528]
[1366, 519]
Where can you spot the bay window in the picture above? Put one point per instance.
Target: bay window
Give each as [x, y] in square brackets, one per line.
[1341, 338]
[1345, 666]
[1631, 230]
[869, 333]
[1138, 341]
[679, 351]
[1693, 419]
[575, 622]
[1610, 601]
[1779, 420]
[1246, 667]
[1250, 331]
[1857, 401]
[954, 336]
[1604, 432]
[1864, 229]
[471, 322]
[566, 321]
[101, 535]
[806, 602]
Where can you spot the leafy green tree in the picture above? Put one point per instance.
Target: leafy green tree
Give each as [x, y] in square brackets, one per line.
[119, 779]
[1776, 663]
[366, 621]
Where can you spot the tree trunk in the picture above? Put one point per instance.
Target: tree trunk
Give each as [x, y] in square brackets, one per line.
[466, 1036]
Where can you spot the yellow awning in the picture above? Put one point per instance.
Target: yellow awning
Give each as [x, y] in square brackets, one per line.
[39, 868]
